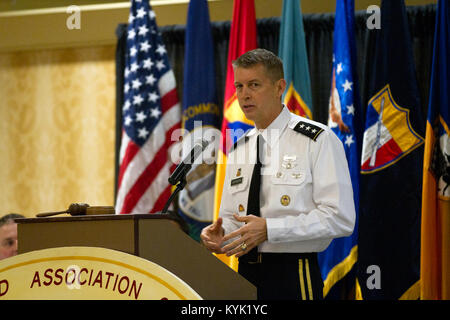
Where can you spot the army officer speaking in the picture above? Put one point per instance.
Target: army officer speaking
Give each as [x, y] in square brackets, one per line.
[287, 191]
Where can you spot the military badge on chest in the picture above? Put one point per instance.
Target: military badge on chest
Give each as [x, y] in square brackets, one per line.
[238, 179]
[237, 184]
[289, 162]
[288, 175]
[289, 168]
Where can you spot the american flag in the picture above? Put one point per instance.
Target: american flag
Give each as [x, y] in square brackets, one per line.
[151, 112]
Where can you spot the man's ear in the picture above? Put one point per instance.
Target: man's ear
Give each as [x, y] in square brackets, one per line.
[281, 86]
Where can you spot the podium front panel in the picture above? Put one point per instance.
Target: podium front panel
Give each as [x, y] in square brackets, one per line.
[176, 251]
[112, 232]
[156, 238]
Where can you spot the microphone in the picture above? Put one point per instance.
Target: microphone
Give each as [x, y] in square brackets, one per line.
[183, 168]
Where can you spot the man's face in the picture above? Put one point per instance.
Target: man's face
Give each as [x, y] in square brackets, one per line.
[8, 240]
[259, 97]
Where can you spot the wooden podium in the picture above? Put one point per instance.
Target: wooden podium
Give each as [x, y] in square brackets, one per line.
[156, 238]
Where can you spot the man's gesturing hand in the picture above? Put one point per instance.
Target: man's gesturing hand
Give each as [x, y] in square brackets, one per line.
[252, 234]
[212, 236]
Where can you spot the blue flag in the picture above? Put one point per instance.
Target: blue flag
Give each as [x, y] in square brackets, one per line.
[391, 166]
[200, 115]
[345, 119]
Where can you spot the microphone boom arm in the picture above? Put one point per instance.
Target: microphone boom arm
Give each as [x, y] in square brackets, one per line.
[180, 186]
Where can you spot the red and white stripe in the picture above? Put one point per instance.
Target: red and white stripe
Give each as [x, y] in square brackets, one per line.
[143, 185]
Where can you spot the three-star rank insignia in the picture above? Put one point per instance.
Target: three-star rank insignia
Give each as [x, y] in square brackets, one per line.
[310, 130]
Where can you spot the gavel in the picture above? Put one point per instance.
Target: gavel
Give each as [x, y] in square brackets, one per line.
[81, 209]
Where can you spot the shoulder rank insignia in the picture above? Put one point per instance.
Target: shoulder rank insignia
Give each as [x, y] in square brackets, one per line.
[310, 130]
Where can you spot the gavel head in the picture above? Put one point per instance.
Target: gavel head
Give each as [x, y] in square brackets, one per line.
[77, 209]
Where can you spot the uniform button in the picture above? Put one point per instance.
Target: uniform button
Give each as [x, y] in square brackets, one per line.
[285, 200]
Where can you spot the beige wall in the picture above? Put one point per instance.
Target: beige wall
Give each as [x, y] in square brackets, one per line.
[57, 112]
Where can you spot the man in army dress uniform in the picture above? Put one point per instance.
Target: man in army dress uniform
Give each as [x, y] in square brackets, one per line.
[287, 191]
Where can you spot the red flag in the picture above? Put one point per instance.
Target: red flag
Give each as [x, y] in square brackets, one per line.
[242, 39]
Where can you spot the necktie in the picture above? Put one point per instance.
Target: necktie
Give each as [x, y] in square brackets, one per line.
[253, 204]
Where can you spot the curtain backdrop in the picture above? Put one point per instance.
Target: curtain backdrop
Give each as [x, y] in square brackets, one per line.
[56, 129]
[319, 42]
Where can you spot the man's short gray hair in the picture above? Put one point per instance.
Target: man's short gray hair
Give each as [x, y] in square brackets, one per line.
[271, 62]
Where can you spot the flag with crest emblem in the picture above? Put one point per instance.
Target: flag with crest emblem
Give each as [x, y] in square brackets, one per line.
[391, 166]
